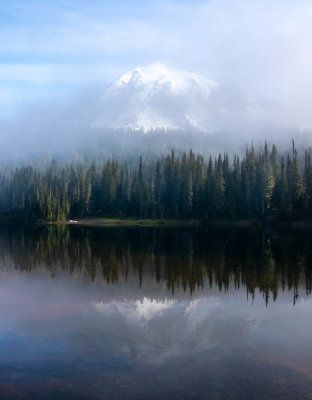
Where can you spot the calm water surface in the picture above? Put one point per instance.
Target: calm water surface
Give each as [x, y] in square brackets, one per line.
[116, 313]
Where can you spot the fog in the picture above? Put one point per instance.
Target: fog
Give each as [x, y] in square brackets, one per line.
[57, 58]
[65, 132]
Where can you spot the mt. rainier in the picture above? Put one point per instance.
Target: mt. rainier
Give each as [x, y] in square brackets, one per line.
[156, 97]
[176, 109]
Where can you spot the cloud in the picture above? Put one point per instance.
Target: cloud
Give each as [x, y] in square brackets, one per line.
[261, 46]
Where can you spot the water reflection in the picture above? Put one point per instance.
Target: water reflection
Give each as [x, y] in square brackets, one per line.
[154, 314]
[183, 260]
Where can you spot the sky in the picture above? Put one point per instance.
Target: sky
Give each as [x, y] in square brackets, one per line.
[57, 48]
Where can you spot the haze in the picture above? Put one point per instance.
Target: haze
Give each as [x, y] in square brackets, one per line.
[53, 53]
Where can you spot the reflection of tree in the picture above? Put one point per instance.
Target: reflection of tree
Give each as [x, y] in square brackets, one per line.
[186, 258]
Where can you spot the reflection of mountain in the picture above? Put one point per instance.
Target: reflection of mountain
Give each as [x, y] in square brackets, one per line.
[163, 262]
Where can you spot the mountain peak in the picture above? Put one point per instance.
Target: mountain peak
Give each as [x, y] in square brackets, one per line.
[157, 97]
[158, 74]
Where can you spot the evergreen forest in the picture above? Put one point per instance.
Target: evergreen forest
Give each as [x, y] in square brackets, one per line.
[263, 183]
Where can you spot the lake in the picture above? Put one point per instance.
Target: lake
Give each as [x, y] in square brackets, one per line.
[154, 313]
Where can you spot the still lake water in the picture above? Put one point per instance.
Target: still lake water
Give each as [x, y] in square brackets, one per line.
[124, 313]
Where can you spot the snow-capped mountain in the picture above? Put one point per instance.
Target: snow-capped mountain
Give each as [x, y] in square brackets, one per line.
[156, 97]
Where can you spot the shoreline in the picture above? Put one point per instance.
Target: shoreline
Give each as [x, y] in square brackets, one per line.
[222, 223]
[110, 222]
[127, 222]
[163, 223]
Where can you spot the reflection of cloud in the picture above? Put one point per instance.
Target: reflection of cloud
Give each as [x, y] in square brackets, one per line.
[200, 309]
[144, 310]
[149, 331]
[148, 309]
[176, 327]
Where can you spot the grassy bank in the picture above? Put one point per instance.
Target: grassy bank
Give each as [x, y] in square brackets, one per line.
[215, 223]
[129, 222]
[156, 222]
[267, 223]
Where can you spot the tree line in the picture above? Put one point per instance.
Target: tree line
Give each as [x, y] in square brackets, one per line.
[178, 259]
[261, 184]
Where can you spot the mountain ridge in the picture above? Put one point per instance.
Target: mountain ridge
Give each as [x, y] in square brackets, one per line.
[157, 97]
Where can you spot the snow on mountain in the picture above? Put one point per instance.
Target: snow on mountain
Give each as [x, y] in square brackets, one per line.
[156, 97]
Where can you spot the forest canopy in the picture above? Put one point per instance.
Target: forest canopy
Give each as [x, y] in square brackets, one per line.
[262, 183]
